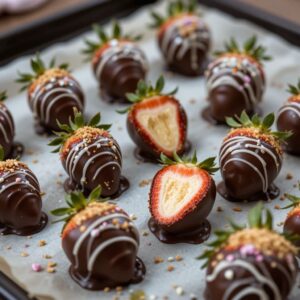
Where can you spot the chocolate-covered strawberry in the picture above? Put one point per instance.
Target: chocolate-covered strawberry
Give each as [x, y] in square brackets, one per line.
[100, 241]
[181, 197]
[156, 121]
[7, 131]
[90, 156]
[52, 94]
[292, 222]
[288, 118]
[251, 158]
[20, 199]
[252, 262]
[235, 80]
[183, 38]
[118, 63]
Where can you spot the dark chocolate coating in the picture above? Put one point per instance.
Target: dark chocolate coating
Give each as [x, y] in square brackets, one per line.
[20, 202]
[106, 160]
[292, 226]
[115, 265]
[246, 279]
[7, 130]
[229, 85]
[244, 174]
[56, 100]
[120, 73]
[195, 45]
[289, 120]
[146, 147]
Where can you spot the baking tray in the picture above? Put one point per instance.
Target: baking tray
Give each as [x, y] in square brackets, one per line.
[39, 34]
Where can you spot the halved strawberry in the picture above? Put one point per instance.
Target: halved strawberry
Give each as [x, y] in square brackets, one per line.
[250, 159]
[156, 122]
[182, 194]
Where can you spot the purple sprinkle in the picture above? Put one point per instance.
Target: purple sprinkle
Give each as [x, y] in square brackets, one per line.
[259, 258]
[36, 267]
[248, 250]
[230, 257]
[95, 232]
[247, 79]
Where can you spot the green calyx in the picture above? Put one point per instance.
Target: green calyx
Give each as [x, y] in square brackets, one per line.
[2, 154]
[78, 122]
[294, 89]
[258, 217]
[263, 125]
[175, 8]
[103, 38]
[38, 68]
[295, 201]
[76, 202]
[3, 96]
[250, 48]
[208, 164]
[147, 90]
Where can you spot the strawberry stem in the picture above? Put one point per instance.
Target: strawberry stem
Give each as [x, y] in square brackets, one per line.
[208, 164]
[3, 96]
[263, 125]
[295, 201]
[103, 38]
[76, 202]
[250, 48]
[1, 153]
[175, 8]
[68, 130]
[294, 89]
[38, 69]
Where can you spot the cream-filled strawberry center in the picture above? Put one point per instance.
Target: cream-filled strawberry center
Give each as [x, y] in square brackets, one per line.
[161, 124]
[177, 191]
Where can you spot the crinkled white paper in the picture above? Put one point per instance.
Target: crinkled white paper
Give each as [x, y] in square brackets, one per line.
[206, 139]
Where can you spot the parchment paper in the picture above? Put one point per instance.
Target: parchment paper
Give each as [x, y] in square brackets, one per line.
[205, 138]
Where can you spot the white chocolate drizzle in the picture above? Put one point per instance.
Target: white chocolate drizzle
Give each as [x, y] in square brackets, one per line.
[5, 118]
[176, 48]
[290, 106]
[251, 146]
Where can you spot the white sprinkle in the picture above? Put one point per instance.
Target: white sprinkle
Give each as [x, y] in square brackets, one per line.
[229, 274]
[179, 290]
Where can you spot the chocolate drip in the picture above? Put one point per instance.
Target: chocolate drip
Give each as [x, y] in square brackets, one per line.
[234, 83]
[289, 120]
[185, 42]
[251, 276]
[20, 203]
[248, 167]
[55, 100]
[118, 69]
[104, 253]
[93, 163]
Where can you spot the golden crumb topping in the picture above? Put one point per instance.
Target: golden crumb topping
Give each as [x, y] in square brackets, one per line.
[266, 241]
[46, 76]
[294, 98]
[11, 165]
[93, 209]
[240, 57]
[87, 134]
[256, 133]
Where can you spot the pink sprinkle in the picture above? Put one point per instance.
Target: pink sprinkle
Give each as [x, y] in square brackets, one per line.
[36, 267]
[18, 179]
[95, 232]
[247, 79]
[259, 258]
[230, 257]
[248, 250]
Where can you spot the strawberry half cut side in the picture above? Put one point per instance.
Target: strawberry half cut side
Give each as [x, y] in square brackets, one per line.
[161, 123]
[176, 191]
[181, 197]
